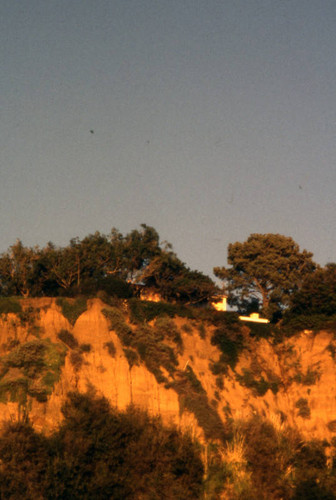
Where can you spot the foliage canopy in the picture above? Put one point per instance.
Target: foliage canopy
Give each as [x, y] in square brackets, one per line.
[267, 268]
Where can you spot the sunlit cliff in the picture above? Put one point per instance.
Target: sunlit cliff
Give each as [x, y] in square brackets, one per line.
[293, 380]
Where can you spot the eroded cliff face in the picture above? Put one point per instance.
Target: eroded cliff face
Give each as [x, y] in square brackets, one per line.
[294, 380]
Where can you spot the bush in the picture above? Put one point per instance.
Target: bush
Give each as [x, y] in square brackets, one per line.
[167, 329]
[76, 359]
[68, 338]
[308, 378]
[72, 308]
[119, 325]
[28, 316]
[219, 367]
[145, 311]
[269, 457]
[259, 386]
[85, 347]
[304, 410]
[132, 357]
[193, 398]
[201, 330]
[37, 366]
[186, 328]
[154, 352]
[220, 383]
[230, 345]
[28, 356]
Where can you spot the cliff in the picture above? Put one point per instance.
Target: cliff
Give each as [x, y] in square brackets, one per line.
[169, 366]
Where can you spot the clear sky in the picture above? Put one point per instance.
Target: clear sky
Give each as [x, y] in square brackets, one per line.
[211, 120]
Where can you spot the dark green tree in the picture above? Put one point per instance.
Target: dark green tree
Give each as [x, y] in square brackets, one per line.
[317, 294]
[18, 270]
[266, 267]
[169, 276]
[135, 250]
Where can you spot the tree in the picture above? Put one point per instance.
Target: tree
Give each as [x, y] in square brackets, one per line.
[18, 269]
[63, 265]
[317, 294]
[134, 251]
[267, 268]
[169, 276]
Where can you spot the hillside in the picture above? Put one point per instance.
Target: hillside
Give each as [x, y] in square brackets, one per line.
[206, 373]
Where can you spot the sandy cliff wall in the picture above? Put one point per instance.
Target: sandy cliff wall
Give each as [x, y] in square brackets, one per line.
[294, 380]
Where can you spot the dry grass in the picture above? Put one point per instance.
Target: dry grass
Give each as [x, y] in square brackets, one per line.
[234, 452]
[276, 420]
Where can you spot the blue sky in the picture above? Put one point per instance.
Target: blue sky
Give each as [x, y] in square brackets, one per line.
[211, 120]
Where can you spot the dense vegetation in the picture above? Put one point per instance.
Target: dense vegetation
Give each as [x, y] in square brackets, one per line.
[99, 453]
[102, 453]
[267, 272]
[116, 264]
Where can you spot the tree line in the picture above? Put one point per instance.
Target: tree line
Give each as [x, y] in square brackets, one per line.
[116, 263]
[267, 272]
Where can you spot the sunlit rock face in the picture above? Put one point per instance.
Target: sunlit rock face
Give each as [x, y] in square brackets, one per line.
[294, 381]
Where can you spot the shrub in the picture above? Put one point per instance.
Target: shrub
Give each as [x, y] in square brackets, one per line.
[193, 398]
[119, 325]
[260, 386]
[38, 366]
[167, 329]
[39, 393]
[220, 383]
[304, 410]
[72, 308]
[219, 367]
[28, 316]
[186, 328]
[154, 352]
[145, 311]
[11, 344]
[332, 349]
[194, 382]
[269, 457]
[308, 378]
[68, 338]
[76, 359]
[201, 330]
[142, 311]
[28, 356]
[132, 357]
[85, 347]
[230, 345]
[332, 427]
